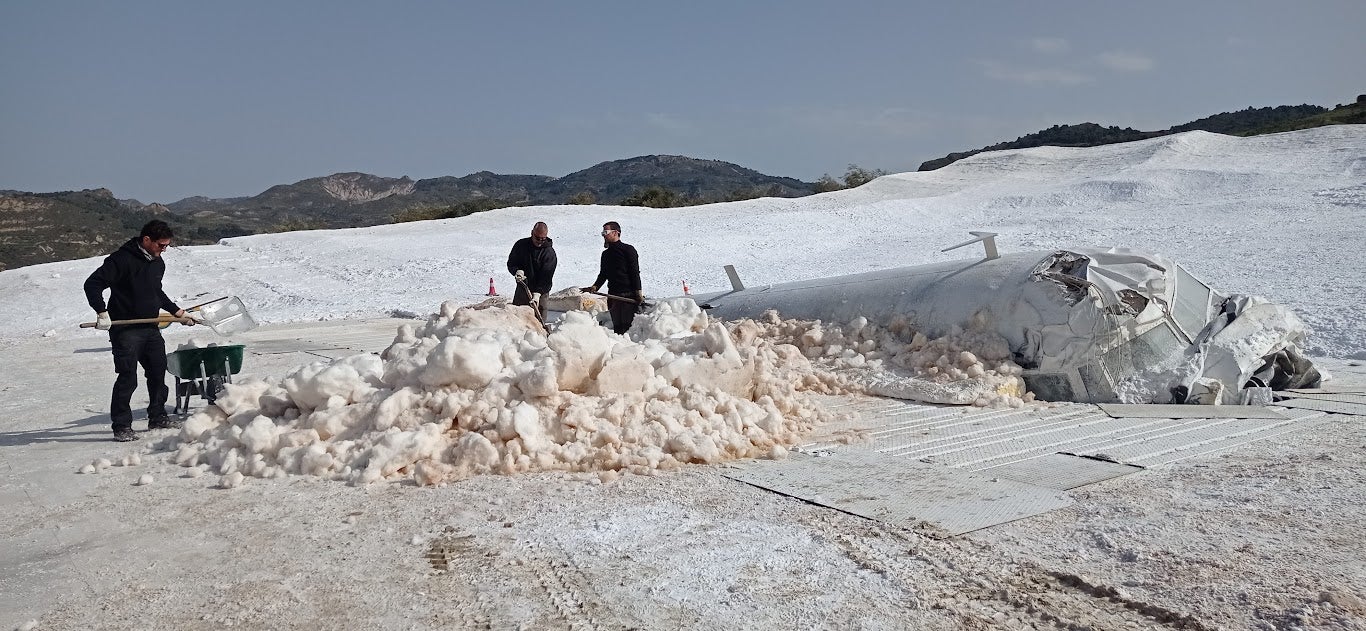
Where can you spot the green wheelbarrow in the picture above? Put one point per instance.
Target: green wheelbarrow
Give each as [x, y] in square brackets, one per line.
[202, 371]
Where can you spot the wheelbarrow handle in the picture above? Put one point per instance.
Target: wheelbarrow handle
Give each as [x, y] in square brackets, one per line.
[165, 320]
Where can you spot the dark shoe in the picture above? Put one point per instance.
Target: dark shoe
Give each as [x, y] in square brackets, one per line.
[165, 423]
[124, 436]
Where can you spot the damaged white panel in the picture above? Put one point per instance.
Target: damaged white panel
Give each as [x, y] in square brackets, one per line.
[1087, 325]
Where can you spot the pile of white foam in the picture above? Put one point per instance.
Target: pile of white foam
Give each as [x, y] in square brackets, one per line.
[486, 389]
[965, 367]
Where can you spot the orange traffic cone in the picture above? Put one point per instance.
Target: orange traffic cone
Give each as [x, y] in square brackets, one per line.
[686, 291]
[492, 291]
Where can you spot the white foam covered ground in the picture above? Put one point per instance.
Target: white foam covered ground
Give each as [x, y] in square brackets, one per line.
[1278, 215]
[111, 535]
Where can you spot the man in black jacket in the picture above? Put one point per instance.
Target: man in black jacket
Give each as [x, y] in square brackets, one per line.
[132, 274]
[620, 270]
[532, 263]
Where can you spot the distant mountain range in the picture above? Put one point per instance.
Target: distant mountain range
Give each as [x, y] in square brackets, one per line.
[43, 227]
[361, 199]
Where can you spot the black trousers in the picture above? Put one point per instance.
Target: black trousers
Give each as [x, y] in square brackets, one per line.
[623, 313]
[134, 345]
[523, 297]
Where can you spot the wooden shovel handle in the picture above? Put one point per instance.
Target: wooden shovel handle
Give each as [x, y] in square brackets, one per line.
[91, 325]
[621, 298]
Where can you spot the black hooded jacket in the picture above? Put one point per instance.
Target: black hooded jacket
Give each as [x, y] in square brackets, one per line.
[538, 261]
[134, 282]
[619, 269]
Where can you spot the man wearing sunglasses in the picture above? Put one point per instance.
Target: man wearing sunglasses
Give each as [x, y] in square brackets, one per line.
[620, 270]
[532, 264]
[132, 274]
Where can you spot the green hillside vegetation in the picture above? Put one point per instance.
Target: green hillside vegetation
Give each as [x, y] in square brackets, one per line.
[1353, 114]
[451, 211]
[42, 227]
[1248, 122]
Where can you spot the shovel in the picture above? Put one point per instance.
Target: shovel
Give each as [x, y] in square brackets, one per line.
[621, 299]
[535, 301]
[226, 316]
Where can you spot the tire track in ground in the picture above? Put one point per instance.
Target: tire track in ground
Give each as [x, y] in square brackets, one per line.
[569, 588]
[454, 557]
[974, 582]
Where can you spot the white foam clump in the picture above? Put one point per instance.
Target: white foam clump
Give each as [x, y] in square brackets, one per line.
[144, 479]
[232, 480]
[574, 299]
[486, 389]
[965, 367]
[96, 466]
[196, 342]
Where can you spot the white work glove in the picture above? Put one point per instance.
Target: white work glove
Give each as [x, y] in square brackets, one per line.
[102, 321]
[520, 275]
[535, 298]
[185, 314]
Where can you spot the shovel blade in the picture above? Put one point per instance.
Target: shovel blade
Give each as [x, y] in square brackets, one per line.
[228, 317]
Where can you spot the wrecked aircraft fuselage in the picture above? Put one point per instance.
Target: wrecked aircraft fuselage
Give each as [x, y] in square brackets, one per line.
[1087, 325]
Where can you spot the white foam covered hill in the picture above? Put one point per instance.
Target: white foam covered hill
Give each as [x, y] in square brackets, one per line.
[1278, 215]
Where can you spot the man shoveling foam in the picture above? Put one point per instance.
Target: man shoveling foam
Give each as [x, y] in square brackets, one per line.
[132, 274]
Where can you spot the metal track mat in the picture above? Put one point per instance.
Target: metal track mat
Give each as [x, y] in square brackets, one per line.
[901, 491]
[976, 439]
[1123, 410]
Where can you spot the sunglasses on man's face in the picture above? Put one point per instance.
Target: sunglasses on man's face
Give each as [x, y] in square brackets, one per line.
[160, 245]
[607, 232]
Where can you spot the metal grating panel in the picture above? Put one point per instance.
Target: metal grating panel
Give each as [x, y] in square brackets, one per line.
[1061, 471]
[901, 491]
[976, 439]
[1307, 422]
[1123, 410]
[1344, 397]
[981, 454]
[1336, 407]
[1171, 446]
[1334, 388]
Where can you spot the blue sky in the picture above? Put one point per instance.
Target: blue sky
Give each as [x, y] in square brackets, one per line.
[162, 100]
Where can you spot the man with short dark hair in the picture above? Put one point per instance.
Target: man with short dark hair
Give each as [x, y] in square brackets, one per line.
[132, 274]
[532, 264]
[619, 269]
